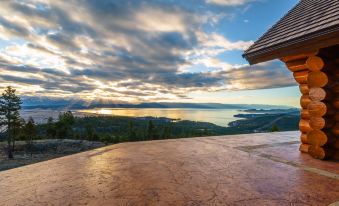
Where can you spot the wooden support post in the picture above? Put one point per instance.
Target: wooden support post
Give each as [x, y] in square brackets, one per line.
[319, 123]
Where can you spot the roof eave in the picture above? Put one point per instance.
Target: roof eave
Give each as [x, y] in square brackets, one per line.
[310, 43]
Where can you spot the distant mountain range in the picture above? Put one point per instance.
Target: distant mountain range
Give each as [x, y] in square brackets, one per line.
[46, 103]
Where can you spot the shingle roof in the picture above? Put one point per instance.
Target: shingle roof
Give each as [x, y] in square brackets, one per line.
[309, 19]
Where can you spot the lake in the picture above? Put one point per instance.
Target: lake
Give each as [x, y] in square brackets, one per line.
[217, 116]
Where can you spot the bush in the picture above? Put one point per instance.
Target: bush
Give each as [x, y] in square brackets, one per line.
[274, 128]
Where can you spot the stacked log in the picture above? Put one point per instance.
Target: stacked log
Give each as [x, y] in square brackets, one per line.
[298, 65]
[319, 123]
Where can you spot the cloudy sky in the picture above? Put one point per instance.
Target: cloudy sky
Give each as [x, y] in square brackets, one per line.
[141, 51]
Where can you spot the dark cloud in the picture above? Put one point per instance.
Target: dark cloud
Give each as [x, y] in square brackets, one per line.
[18, 68]
[63, 41]
[188, 80]
[263, 76]
[174, 40]
[23, 80]
[40, 48]
[13, 28]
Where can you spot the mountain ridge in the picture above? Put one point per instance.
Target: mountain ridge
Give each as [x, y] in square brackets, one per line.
[79, 104]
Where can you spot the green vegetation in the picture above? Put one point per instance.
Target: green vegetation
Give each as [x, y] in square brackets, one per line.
[10, 104]
[115, 129]
[29, 132]
[266, 123]
[274, 128]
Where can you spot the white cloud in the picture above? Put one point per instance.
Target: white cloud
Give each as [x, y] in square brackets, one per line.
[216, 40]
[228, 2]
[114, 50]
[152, 19]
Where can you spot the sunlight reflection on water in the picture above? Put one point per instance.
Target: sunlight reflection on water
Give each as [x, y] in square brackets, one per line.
[217, 116]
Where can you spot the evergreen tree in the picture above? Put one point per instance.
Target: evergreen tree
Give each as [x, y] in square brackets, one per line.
[90, 132]
[20, 130]
[132, 136]
[30, 133]
[274, 128]
[50, 128]
[17, 130]
[64, 127]
[166, 134]
[10, 104]
[151, 132]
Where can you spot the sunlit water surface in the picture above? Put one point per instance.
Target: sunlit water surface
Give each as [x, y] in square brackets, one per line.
[217, 116]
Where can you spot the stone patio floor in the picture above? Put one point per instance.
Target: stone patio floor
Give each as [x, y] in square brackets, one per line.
[253, 169]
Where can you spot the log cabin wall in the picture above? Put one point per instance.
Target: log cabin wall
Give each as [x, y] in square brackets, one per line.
[317, 74]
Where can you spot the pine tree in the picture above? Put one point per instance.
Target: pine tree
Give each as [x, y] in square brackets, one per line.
[166, 134]
[151, 131]
[50, 128]
[30, 132]
[132, 136]
[65, 124]
[274, 128]
[90, 132]
[10, 104]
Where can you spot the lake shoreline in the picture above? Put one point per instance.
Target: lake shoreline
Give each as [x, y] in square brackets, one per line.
[220, 117]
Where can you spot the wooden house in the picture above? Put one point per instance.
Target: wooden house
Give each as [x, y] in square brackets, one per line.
[306, 39]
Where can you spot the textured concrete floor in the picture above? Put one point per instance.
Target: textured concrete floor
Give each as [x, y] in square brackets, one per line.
[255, 169]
